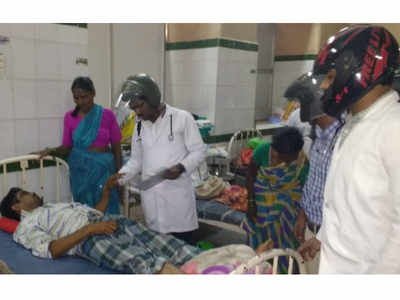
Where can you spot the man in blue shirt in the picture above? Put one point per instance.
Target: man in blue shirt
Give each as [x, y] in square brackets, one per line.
[325, 130]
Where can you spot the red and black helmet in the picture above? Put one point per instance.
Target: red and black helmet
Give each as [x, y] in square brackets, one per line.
[363, 57]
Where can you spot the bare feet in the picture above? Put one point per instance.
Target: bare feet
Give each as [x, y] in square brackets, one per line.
[268, 245]
[170, 269]
[4, 268]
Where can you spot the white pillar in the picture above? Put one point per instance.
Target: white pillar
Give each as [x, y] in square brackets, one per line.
[119, 50]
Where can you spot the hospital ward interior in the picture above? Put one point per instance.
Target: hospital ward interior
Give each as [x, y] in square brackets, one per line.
[198, 148]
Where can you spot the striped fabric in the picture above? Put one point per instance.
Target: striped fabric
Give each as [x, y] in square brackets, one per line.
[50, 222]
[133, 248]
[277, 195]
[320, 157]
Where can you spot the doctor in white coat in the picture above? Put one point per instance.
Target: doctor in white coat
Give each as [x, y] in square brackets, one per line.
[165, 139]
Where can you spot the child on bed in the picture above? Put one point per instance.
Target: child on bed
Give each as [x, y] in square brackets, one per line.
[53, 229]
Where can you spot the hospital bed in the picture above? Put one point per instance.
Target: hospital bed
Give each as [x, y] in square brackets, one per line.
[28, 173]
[21, 261]
[218, 214]
[274, 255]
[238, 142]
[210, 212]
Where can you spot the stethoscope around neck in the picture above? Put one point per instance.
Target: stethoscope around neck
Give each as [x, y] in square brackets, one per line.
[170, 135]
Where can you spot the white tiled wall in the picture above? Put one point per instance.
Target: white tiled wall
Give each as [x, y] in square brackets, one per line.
[213, 82]
[22, 61]
[236, 84]
[7, 136]
[40, 64]
[25, 99]
[26, 136]
[7, 109]
[191, 80]
[285, 72]
[47, 59]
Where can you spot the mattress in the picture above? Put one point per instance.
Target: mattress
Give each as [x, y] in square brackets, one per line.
[213, 210]
[21, 261]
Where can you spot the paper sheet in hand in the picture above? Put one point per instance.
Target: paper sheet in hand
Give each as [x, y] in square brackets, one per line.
[151, 181]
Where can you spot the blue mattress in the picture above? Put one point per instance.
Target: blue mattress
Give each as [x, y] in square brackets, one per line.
[21, 261]
[213, 210]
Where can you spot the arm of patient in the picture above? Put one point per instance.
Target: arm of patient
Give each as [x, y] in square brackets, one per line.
[111, 183]
[62, 245]
[59, 247]
[35, 237]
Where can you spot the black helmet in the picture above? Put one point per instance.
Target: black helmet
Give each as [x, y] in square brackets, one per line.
[306, 89]
[363, 57]
[141, 86]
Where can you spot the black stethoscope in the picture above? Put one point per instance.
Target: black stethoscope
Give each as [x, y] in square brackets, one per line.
[171, 133]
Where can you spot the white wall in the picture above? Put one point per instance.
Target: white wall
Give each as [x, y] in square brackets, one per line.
[285, 72]
[213, 82]
[236, 87]
[40, 64]
[119, 50]
[99, 48]
[137, 48]
[191, 80]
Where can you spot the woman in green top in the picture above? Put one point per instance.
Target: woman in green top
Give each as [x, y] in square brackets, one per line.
[275, 180]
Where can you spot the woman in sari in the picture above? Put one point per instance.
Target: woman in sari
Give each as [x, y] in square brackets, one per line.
[275, 179]
[90, 132]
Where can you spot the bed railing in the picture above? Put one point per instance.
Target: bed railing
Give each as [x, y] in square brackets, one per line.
[273, 254]
[239, 142]
[22, 162]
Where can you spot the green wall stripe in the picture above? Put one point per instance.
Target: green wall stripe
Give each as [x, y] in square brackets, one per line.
[238, 45]
[81, 25]
[222, 138]
[192, 44]
[295, 57]
[214, 139]
[209, 43]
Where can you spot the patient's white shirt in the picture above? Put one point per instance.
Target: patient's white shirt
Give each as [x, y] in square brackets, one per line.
[51, 222]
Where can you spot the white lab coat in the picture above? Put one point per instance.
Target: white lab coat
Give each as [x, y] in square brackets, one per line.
[169, 206]
[304, 127]
[360, 231]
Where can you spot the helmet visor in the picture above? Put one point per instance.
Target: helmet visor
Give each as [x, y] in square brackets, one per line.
[132, 90]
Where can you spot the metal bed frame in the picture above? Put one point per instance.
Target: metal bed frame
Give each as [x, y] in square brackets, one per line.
[273, 254]
[23, 161]
[238, 142]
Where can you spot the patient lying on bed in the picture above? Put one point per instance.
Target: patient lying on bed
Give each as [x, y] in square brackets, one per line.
[112, 241]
